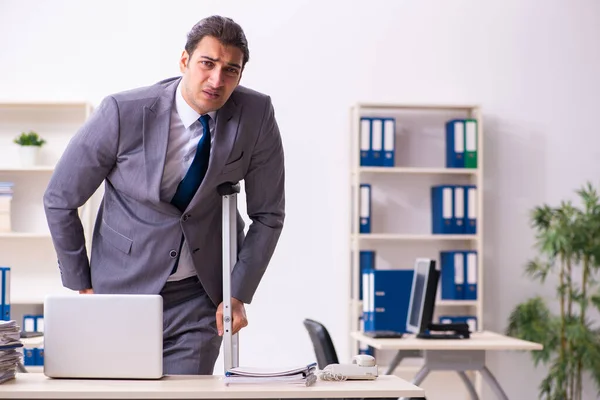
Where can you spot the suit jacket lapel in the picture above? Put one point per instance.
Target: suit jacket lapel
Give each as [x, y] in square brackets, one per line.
[156, 124]
[228, 120]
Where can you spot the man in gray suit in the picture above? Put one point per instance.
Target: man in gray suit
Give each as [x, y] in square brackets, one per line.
[161, 152]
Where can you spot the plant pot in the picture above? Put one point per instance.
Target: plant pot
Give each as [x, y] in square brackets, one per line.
[28, 155]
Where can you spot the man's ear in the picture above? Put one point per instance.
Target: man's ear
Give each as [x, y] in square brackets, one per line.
[184, 61]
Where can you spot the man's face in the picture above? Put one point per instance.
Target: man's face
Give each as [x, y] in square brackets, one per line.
[211, 74]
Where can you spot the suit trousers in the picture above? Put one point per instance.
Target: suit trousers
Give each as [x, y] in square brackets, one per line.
[190, 340]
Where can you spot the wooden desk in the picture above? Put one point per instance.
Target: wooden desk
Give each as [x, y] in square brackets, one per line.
[458, 355]
[38, 386]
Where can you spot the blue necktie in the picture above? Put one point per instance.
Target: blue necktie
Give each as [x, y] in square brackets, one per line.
[195, 174]
[193, 177]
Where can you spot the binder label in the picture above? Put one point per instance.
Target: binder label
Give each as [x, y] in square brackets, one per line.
[459, 204]
[471, 136]
[377, 141]
[471, 268]
[459, 269]
[447, 203]
[459, 144]
[388, 130]
[365, 140]
[472, 201]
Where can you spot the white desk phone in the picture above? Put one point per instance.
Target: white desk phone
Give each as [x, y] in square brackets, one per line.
[363, 367]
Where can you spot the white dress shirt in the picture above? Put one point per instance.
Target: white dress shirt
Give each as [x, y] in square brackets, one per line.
[185, 132]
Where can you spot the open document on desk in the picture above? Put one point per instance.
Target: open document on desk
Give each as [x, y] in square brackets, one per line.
[10, 357]
[298, 375]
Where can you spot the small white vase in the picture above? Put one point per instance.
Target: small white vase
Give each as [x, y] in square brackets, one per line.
[29, 155]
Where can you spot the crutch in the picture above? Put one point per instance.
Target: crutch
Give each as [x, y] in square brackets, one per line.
[228, 191]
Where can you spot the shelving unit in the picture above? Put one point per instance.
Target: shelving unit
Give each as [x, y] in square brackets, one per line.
[401, 206]
[28, 248]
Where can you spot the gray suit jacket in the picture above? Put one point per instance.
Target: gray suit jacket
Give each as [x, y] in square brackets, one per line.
[124, 143]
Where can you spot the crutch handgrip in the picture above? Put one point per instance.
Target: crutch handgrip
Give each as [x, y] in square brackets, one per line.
[228, 188]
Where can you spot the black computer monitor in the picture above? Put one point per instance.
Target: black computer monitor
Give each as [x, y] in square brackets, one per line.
[422, 298]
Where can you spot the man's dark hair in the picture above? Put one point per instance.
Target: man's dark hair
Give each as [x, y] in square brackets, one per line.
[224, 29]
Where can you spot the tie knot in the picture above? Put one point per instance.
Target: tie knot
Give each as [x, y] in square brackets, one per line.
[204, 121]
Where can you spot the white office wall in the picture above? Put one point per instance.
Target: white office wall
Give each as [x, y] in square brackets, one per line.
[532, 66]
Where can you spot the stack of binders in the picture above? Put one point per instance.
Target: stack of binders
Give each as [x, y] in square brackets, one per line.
[454, 209]
[461, 143]
[10, 357]
[385, 299]
[458, 275]
[377, 141]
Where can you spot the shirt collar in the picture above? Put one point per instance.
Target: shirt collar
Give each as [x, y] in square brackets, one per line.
[187, 114]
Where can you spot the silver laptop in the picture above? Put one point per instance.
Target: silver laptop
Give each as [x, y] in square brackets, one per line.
[109, 336]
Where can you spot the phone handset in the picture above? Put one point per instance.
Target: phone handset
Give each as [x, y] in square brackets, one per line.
[363, 367]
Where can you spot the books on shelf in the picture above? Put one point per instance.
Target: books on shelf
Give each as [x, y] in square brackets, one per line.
[377, 146]
[297, 375]
[458, 274]
[385, 294]
[386, 297]
[377, 141]
[454, 209]
[461, 143]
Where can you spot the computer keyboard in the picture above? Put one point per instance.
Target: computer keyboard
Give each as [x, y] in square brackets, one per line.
[384, 334]
[442, 336]
[27, 335]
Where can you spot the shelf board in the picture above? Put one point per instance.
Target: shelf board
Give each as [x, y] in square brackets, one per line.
[41, 168]
[395, 236]
[456, 303]
[465, 107]
[417, 170]
[24, 235]
[42, 104]
[441, 303]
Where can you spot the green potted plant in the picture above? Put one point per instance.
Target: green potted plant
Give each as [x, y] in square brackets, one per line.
[568, 240]
[29, 147]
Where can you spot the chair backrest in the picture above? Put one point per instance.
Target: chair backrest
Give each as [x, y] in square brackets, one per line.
[322, 343]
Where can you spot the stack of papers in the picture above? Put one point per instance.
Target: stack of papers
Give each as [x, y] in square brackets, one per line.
[297, 375]
[10, 357]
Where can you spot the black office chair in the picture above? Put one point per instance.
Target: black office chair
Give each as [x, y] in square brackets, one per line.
[324, 348]
[322, 343]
